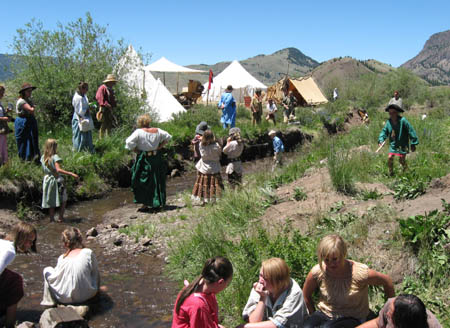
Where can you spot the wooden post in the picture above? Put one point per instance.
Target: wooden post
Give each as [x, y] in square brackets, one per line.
[207, 97]
[164, 78]
[178, 80]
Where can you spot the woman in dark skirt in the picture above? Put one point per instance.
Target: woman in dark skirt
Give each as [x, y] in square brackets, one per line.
[25, 126]
[208, 185]
[148, 179]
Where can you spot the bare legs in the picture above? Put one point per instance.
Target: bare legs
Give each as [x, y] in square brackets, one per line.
[402, 160]
[51, 212]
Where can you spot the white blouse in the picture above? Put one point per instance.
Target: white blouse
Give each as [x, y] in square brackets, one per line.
[146, 141]
[7, 253]
[233, 150]
[80, 104]
[210, 161]
[73, 280]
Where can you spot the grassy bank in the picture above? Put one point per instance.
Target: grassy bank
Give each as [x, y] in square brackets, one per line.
[234, 226]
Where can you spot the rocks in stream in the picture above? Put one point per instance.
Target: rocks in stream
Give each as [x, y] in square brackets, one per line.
[92, 232]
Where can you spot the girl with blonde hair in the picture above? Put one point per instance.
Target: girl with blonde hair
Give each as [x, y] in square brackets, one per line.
[21, 239]
[208, 185]
[54, 192]
[76, 277]
[343, 285]
[276, 300]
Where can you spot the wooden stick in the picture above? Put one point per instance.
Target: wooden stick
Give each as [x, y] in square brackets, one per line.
[381, 146]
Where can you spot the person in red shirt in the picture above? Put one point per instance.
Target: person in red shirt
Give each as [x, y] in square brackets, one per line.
[196, 304]
[106, 101]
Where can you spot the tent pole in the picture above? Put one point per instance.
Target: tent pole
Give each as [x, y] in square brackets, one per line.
[207, 97]
[240, 95]
[178, 80]
[164, 78]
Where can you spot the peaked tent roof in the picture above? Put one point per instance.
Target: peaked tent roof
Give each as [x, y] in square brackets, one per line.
[165, 65]
[305, 90]
[237, 76]
[157, 98]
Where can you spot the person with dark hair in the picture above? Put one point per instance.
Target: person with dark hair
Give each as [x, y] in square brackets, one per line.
[208, 185]
[199, 131]
[4, 129]
[25, 126]
[256, 107]
[82, 123]
[403, 311]
[196, 304]
[396, 100]
[399, 132]
[76, 278]
[276, 300]
[228, 106]
[21, 239]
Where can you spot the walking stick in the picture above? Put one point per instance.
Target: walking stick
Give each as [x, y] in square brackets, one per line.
[381, 146]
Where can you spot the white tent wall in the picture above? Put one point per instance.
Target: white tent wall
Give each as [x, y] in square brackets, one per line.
[244, 84]
[158, 100]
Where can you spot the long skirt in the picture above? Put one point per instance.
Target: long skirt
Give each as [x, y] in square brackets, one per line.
[148, 180]
[11, 287]
[81, 140]
[27, 138]
[207, 187]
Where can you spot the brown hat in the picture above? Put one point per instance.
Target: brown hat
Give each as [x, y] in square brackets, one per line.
[26, 86]
[110, 78]
[394, 106]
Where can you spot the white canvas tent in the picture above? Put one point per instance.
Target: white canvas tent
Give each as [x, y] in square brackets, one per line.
[139, 78]
[244, 84]
[164, 66]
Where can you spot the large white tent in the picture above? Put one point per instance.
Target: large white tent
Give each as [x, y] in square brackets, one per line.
[244, 84]
[158, 99]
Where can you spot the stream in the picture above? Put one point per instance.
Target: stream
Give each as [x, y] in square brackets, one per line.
[139, 295]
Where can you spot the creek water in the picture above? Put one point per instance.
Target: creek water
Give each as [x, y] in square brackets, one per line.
[139, 294]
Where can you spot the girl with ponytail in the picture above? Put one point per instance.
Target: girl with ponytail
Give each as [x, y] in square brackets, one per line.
[196, 304]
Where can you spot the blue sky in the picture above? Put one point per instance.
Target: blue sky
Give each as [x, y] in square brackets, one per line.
[194, 32]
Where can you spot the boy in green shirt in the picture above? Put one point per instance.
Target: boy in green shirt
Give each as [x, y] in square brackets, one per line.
[400, 132]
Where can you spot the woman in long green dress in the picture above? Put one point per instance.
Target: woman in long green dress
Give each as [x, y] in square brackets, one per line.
[148, 179]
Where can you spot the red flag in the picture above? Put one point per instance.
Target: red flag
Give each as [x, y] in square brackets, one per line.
[210, 79]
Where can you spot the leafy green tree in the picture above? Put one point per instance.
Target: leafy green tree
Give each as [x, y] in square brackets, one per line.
[57, 60]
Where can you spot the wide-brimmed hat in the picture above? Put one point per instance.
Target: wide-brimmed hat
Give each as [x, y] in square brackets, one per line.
[234, 131]
[394, 106]
[272, 132]
[26, 86]
[201, 128]
[110, 78]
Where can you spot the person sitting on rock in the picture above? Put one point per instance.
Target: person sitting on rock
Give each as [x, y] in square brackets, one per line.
[76, 278]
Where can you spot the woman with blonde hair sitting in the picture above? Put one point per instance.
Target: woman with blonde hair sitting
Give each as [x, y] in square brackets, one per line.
[276, 300]
[76, 278]
[343, 285]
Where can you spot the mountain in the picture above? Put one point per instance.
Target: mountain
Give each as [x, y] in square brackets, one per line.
[433, 62]
[334, 72]
[266, 68]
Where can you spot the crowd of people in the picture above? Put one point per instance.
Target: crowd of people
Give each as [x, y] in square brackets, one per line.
[277, 301]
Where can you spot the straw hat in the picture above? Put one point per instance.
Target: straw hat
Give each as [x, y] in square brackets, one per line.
[272, 132]
[394, 106]
[26, 86]
[110, 78]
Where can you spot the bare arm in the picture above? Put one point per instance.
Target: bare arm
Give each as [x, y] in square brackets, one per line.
[28, 108]
[381, 279]
[61, 171]
[309, 287]
[369, 324]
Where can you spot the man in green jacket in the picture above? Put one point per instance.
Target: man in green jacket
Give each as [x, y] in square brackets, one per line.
[400, 132]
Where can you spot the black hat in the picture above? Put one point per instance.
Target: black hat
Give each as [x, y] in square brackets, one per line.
[201, 128]
[394, 106]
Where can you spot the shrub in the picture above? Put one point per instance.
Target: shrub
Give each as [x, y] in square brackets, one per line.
[341, 171]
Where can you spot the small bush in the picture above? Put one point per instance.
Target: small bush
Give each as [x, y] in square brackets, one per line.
[341, 172]
[299, 194]
[409, 187]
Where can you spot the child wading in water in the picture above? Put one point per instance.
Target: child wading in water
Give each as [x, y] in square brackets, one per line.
[278, 149]
[400, 132]
[54, 192]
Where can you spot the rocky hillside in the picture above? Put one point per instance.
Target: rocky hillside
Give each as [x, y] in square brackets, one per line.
[433, 62]
[266, 68]
[334, 72]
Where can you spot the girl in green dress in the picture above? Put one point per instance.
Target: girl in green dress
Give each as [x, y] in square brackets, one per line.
[53, 190]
